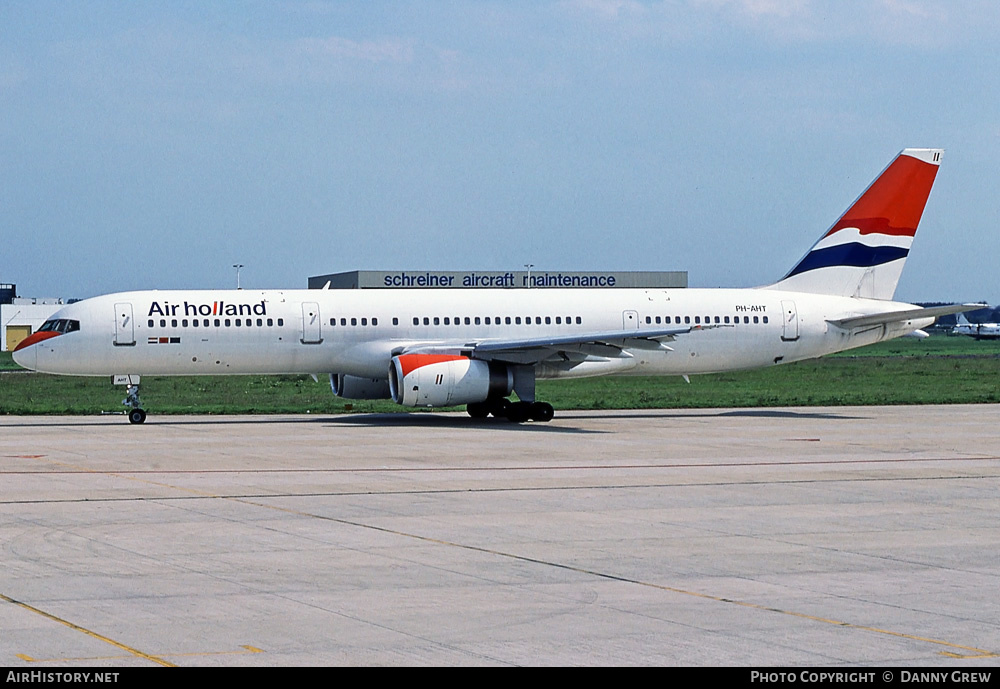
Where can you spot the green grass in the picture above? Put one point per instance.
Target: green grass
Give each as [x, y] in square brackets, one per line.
[933, 371]
[7, 362]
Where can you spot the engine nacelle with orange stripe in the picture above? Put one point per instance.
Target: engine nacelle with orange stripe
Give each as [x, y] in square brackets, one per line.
[443, 380]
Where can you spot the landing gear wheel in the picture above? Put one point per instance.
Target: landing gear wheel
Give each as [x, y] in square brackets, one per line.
[136, 416]
[499, 407]
[478, 410]
[519, 412]
[542, 411]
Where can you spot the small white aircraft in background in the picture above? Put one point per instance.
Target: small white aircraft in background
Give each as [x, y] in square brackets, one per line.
[477, 347]
[980, 331]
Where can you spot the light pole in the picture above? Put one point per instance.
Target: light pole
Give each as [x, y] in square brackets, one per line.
[529, 266]
[237, 266]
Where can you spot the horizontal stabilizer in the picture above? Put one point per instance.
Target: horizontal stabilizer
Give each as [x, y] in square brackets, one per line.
[905, 315]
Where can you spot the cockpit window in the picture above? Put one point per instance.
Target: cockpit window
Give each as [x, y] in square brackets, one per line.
[61, 325]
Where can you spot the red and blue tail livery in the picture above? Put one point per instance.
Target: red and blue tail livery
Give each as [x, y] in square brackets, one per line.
[862, 255]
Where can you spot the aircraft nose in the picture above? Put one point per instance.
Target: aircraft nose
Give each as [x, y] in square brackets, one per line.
[24, 358]
[25, 354]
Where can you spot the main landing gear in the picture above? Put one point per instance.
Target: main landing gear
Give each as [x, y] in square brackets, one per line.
[517, 412]
[136, 414]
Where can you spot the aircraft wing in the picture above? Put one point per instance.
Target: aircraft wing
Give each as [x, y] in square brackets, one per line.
[904, 315]
[533, 350]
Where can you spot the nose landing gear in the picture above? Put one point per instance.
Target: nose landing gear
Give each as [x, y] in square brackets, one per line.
[136, 414]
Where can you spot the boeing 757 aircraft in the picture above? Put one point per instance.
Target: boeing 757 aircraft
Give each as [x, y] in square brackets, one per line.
[437, 348]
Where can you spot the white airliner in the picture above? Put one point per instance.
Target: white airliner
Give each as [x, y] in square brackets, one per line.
[436, 348]
[980, 331]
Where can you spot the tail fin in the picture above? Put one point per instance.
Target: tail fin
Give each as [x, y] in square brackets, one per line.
[863, 254]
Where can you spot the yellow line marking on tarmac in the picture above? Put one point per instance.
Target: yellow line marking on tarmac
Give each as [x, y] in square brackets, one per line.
[100, 637]
[247, 650]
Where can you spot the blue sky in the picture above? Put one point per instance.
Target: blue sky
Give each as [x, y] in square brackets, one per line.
[152, 145]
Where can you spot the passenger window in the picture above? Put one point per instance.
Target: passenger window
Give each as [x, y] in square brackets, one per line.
[281, 321]
[579, 321]
[149, 323]
[364, 321]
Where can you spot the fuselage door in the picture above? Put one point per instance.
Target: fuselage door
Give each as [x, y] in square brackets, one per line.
[630, 320]
[790, 322]
[124, 326]
[310, 323]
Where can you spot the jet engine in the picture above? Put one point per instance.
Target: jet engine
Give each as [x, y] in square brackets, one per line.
[358, 388]
[443, 380]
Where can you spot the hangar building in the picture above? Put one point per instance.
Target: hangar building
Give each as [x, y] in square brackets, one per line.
[486, 279]
[20, 317]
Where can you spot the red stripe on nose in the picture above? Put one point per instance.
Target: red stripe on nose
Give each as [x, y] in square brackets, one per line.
[35, 338]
